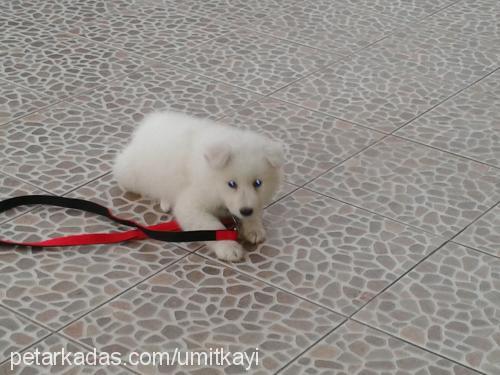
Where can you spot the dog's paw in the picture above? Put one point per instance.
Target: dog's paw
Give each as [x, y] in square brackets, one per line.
[165, 205]
[253, 234]
[230, 251]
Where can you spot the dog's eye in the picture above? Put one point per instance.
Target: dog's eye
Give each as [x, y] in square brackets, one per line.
[232, 184]
[257, 183]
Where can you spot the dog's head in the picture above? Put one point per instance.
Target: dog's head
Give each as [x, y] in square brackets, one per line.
[247, 173]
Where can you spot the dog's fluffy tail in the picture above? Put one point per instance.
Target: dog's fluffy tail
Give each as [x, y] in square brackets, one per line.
[123, 172]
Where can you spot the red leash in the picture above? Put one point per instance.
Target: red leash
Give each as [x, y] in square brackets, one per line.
[168, 231]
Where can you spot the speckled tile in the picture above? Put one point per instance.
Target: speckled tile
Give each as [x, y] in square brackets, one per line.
[57, 285]
[470, 17]
[397, 79]
[236, 12]
[17, 101]
[67, 66]
[61, 147]
[354, 349]
[467, 124]
[17, 333]
[284, 190]
[64, 14]
[455, 59]
[159, 88]
[414, 184]
[402, 10]
[314, 142]
[484, 234]
[327, 25]
[332, 253]
[105, 191]
[11, 187]
[153, 32]
[252, 61]
[371, 95]
[79, 75]
[449, 304]
[58, 344]
[197, 305]
[22, 35]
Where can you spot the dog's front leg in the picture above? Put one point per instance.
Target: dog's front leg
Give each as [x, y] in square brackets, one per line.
[252, 229]
[191, 217]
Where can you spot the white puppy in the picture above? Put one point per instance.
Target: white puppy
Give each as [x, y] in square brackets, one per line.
[204, 171]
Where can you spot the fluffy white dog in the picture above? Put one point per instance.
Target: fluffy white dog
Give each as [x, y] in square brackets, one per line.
[204, 171]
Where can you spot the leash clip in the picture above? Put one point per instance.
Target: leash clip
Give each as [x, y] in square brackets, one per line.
[236, 224]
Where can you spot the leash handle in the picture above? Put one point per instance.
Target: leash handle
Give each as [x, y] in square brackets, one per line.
[167, 232]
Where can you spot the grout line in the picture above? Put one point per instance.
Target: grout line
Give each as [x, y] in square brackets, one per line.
[463, 32]
[86, 347]
[357, 308]
[416, 346]
[233, 266]
[405, 273]
[68, 97]
[18, 215]
[373, 144]
[113, 12]
[262, 95]
[284, 196]
[448, 241]
[63, 337]
[58, 330]
[407, 139]
[161, 269]
[72, 190]
[25, 317]
[401, 126]
[336, 117]
[53, 101]
[20, 179]
[310, 347]
[304, 186]
[374, 212]
[7, 360]
[269, 35]
[65, 99]
[447, 98]
[23, 212]
[419, 21]
[346, 56]
[497, 204]
[397, 20]
[343, 58]
[36, 207]
[476, 250]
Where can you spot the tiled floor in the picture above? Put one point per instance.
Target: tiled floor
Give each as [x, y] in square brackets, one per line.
[383, 249]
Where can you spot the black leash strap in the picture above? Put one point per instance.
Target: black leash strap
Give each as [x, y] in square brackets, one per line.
[87, 206]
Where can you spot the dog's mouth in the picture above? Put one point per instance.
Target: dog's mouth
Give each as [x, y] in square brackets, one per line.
[231, 222]
[236, 222]
[235, 217]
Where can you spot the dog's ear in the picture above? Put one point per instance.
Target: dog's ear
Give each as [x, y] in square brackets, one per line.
[217, 155]
[274, 154]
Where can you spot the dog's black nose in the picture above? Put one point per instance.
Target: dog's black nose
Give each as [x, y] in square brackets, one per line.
[245, 211]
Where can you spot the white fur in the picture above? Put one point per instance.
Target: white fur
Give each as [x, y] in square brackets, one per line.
[186, 163]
